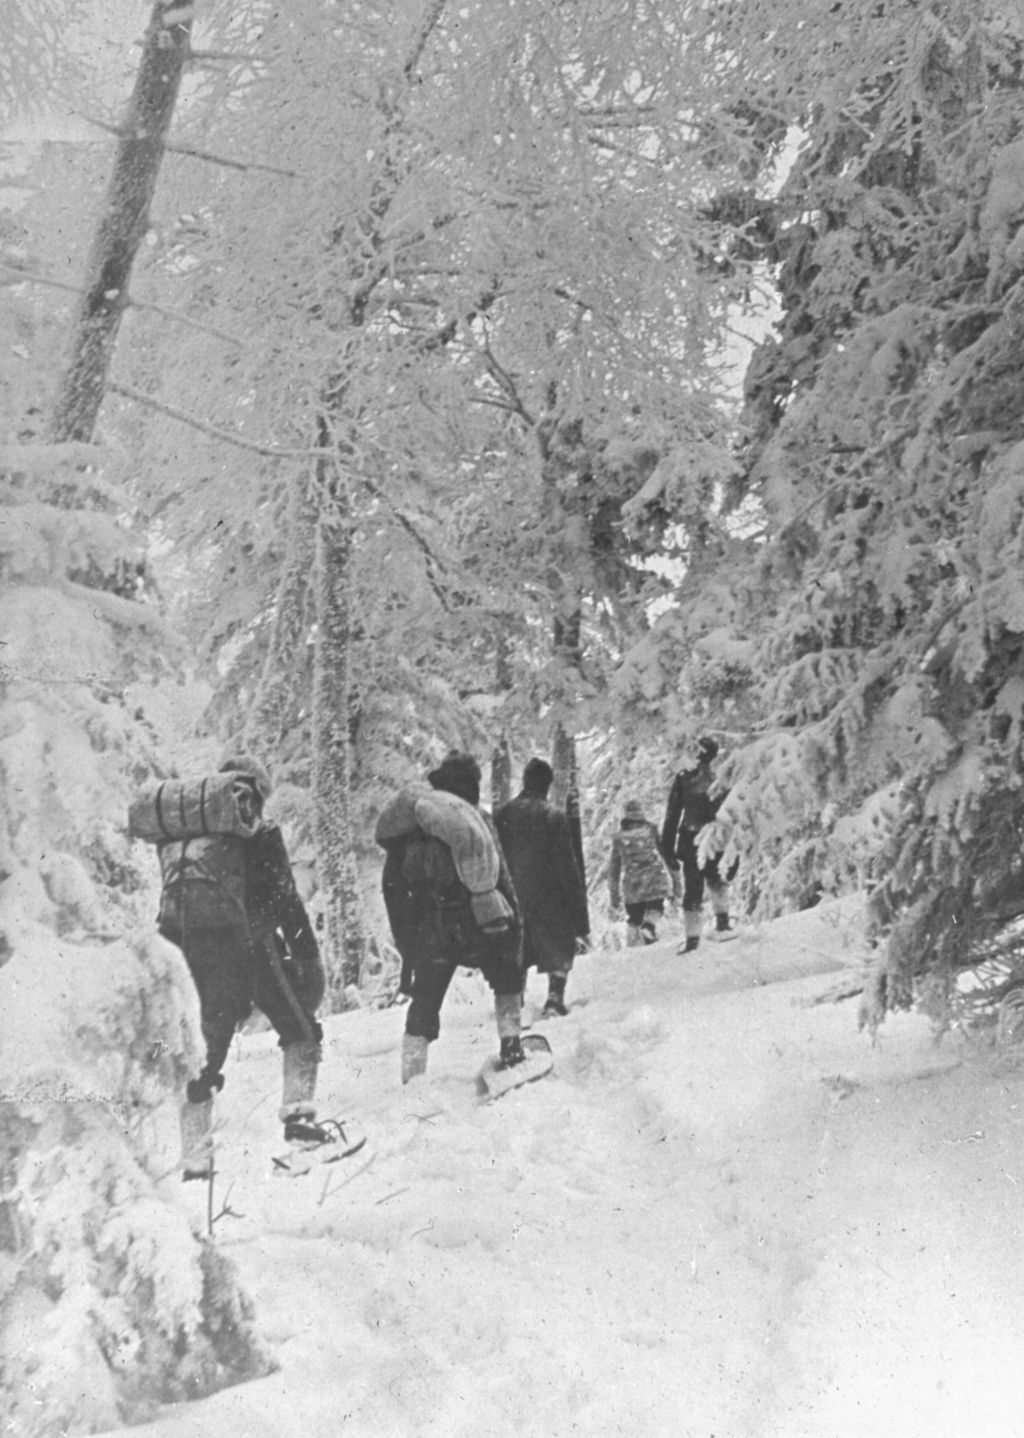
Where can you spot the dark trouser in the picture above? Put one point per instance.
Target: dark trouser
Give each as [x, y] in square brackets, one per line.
[233, 973]
[545, 953]
[430, 983]
[635, 912]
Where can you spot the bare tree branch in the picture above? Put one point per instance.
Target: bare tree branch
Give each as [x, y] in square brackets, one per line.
[253, 446]
[27, 277]
[232, 55]
[191, 152]
[433, 566]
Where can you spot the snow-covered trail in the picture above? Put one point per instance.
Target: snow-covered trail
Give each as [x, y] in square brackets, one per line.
[697, 1226]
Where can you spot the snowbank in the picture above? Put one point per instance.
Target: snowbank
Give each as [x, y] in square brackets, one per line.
[724, 1214]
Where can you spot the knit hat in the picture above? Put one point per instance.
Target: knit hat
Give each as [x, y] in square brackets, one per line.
[458, 773]
[633, 809]
[234, 762]
[707, 749]
[538, 776]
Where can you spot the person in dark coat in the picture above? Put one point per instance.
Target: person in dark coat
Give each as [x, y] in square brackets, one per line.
[690, 807]
[264, 955]
[433, 946]
[552, 895]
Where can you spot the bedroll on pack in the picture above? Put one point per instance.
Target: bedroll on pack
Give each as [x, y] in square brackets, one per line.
[183, 808]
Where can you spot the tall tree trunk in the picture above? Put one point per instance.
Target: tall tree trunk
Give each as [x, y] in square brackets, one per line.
[501, 754]
[326, 511]
[501, 772]
[265, 725]
[125, 220]
[566, 788]
[337, 876]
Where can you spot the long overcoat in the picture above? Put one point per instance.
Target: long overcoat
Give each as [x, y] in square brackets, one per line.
[538, 848]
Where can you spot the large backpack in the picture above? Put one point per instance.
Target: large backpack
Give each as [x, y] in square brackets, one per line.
[644, 875]
[203, 883]
[200, 828]
[451, 925]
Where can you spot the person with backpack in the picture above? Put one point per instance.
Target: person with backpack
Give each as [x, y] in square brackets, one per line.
[538, 846]
[637, 873]
[450, 904]
[690, 807]
[229, 902]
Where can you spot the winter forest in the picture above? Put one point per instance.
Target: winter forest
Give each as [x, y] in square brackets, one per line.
[559, 377]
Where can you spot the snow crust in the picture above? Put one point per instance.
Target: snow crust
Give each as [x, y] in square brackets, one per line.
[724, 1215]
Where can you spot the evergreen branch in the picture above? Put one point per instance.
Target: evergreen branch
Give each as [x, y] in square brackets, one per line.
[25, 276]
[269, 451]
[191, 152]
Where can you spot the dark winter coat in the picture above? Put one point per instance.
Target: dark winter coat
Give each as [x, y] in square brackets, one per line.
[414, 927]
[637, 873]
[273, 914]
[552, 895]
[690, 806]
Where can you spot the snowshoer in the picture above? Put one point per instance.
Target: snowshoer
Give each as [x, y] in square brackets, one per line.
[229, 902]
[538, 846]
[451, 904]
[690, 807]
[637, 873]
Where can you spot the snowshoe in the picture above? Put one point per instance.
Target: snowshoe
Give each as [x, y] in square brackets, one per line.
[723, 935]
[516, 1066]
[309, 1142]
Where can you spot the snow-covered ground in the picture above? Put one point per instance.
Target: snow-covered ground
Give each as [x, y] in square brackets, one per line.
[725, 1215]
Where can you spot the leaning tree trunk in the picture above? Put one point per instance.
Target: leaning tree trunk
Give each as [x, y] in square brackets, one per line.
[109, 1304]
[337, 877]
[125, 220]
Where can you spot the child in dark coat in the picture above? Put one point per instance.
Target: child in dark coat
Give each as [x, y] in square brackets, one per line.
[638, 874]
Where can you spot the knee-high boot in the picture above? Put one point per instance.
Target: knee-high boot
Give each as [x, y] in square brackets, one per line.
[414, 1056]
[196, 1139]
[508, 1011]
[693, 923]
[300, 1063]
